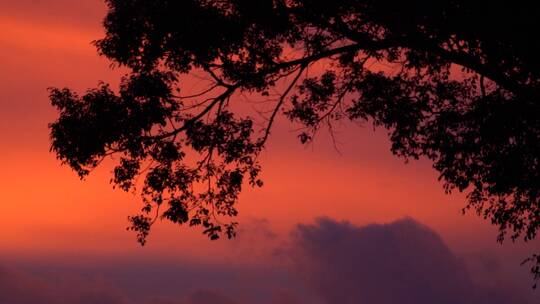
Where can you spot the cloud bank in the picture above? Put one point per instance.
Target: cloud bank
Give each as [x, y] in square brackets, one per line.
[401, 262]
[326, 262]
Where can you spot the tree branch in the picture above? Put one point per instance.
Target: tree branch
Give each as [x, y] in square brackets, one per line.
[279, 104]
[230, 90]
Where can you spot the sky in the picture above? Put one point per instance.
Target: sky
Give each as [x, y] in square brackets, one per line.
[348, 225]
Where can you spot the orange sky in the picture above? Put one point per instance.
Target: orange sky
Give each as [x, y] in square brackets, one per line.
[46, 211]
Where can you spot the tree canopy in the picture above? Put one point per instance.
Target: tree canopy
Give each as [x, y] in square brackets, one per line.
[460, 88]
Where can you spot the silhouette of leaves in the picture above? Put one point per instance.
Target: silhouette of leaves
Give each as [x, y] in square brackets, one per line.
[454, 81]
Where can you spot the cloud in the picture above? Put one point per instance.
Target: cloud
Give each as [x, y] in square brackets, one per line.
[208, 297]
[21, 287]
[203, 284]
[326, 262]
[255, 241]
[401, 262]
[198, 297]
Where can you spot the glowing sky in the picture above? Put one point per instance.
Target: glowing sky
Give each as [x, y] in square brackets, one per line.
[48, 216]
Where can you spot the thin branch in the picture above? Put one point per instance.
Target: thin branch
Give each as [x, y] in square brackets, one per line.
[192, 120]
[324, 54]
[332, 135]
[216, 78]
[199, 94]
[279, 104]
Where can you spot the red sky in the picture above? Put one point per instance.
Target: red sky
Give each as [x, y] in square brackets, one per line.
[48, 214]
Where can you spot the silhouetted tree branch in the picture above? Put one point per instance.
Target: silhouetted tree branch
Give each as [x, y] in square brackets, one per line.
[462, 90]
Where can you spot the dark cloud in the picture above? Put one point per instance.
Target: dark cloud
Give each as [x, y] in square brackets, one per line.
[327, 262]
[17, 287]
[401, 262]
[23, 287]
[198, 297]
[144, 282]
[286, 296]
[208, 297]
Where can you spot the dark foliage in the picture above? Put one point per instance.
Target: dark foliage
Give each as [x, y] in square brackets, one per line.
[454, 81]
